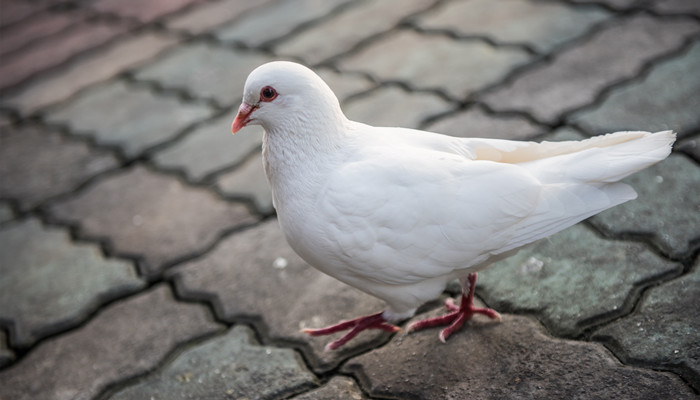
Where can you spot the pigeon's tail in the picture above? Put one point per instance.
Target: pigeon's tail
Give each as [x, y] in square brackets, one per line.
[604, 159]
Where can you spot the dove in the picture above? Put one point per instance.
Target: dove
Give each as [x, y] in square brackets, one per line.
[399, 213]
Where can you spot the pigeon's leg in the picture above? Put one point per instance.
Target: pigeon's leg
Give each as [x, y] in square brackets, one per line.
[357, 325]
[457, 315]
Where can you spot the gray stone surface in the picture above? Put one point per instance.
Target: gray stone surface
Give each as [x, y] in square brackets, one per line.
[541, 279]
[202, 69]
[689, 146]
[513, 359]
[668, 194]
[6, 213]
[575, 76]
[342, 32]
[465, 66]
[393, 106]
[254, 275]
[138, 119]
[279, 19]
[676, 7]
[37, 164]
[667, 98]
[39, 26]
[6, 355]
[248, 181]
[211, 14]
[338, 388]
[152, 216]
[345, 85]
[98, 66]
[50, 284]
[231, 366]
[665, 331]
[476, 122]
[210, 148]
[541, 25]
[125, 340]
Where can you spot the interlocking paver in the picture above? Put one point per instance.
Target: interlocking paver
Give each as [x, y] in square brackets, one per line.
[668, 207]
[676, 7]
[201, 69]
[231, 366]
[575, 76]
[150, 215]
[464, 65]
[36, 164]
[338, 388]
[248, 180]
[513, 359]
[138, 118]
[341, 32]
[256, 275]
[345, 85]
[39, 26]
[143, 11]
[665, 331]
[542, 279]
[279, 19]
[5, 212]
[50, 284]
[476, 122]
[125, 340]
[514, 21]
[394, 106]
[667, 98]
[616, 4]
[98, 66]
[210, 148]
[16, 10]
[57, 49]
[211, 14]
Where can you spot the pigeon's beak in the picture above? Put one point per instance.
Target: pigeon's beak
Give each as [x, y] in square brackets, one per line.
[243, 117]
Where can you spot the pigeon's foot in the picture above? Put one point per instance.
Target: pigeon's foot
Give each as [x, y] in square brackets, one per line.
[357, 325]
[458, 315]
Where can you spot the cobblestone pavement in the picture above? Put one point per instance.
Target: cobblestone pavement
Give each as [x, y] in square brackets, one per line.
[140, 257]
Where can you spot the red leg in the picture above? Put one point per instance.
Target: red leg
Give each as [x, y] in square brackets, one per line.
[458, 316]
[357, 325]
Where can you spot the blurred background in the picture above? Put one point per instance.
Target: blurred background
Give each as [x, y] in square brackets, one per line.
[139, 252]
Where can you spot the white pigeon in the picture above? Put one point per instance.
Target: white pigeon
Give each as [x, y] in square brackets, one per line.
[398, 213]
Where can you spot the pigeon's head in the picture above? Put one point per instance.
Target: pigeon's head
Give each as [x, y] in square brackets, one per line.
[285, 95]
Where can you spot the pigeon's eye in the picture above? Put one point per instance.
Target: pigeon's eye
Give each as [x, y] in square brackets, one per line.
[268, 93]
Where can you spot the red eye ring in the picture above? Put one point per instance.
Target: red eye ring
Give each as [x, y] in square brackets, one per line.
[268, 93]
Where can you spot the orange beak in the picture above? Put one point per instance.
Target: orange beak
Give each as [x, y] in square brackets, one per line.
[243, 117]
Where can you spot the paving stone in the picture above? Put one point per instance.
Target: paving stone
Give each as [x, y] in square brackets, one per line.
[16, 10]
[150, 215]
[123, 341]
[210, 148]
[541, 279]
[144, 12]
[98, 66]
[615, 4]
[690, 146]
[6, 213]
[676, 7]
[667, 98]
[6, 355]
[248, 180]
[576, 76]
[205, 71]
[51, 284]
[39, 26]
[513, 359]
[667, 209]
[476, 122]
[464, 65]
[288, 295]
[232, 366]
[57, 49]
[36, 164]
[338, 388]
[393, 106]
[211, 14]
[279, 19]
[344, 85]
[512, 21]
[137, 120]
[341, 33]
[663, 332]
